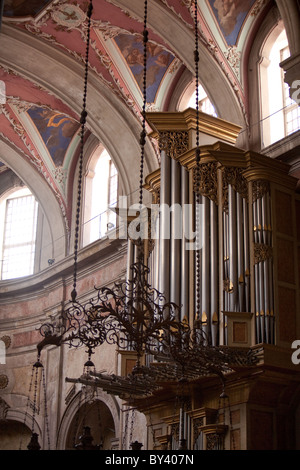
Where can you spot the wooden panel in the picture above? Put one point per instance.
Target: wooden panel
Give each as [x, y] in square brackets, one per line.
[286, 261]
[287, 313]
[239, 332]
[235, 439]
[298, 219]
[261, 425]
[298, 266]
[284, 216]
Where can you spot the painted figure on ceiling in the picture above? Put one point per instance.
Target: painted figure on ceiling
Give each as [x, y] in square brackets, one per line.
[158, 61]
[231, 14]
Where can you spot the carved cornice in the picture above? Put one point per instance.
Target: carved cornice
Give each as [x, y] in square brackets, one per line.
[187, 121]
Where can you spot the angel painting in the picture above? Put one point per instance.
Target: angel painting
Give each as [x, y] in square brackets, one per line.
[158, 60]
[56, 130]
[230, 15]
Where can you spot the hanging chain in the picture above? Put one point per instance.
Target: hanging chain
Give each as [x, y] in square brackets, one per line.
[36, 366]
[82, 133]
[143, 133]
[132, 425]
[98, 402]
[152, 429]
[27, 407]
[46, 408]
[125, 428]
[197, 170]
[77, 416]
[224, 404]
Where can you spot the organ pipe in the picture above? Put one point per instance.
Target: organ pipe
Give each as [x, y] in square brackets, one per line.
[232, 248]
[205, 264]
[164, 242]
[184, 281]
[263, 263]
[224, 233]
[214, 273]
[175, 233]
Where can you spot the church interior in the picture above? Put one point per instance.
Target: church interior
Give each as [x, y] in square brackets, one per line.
[150, 295]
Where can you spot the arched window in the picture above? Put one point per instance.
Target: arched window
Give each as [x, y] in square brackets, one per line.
[18, 228]
[101, 194]
[280, 115]
[188, 100]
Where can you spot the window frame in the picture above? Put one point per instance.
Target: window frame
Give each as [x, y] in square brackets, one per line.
[6, 274]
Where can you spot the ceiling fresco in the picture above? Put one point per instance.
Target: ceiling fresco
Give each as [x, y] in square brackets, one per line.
[56, 130]
[158, 61]
[43, 128]
[230, 16]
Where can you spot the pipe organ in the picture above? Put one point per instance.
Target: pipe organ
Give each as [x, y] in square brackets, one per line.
[234, 232]
[234, 223]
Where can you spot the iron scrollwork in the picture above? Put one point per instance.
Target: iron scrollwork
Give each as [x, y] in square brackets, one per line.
[132, 314]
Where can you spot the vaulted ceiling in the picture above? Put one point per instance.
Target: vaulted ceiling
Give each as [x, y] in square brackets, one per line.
[42, 51]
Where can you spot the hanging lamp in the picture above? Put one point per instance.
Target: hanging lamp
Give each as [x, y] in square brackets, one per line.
[37, 384]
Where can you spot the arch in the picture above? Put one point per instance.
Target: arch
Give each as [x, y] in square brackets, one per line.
[23, 220]
[44, 195]
[291, 17]
[24, 420]
[269, 24]
[14, 435]
[182, 43]
[106, 111]
[9, 181]
[66, 429]
[271, 102]
[184, 92]
[96, 199]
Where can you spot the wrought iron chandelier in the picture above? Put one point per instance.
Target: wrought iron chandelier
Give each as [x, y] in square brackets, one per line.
[132, 314]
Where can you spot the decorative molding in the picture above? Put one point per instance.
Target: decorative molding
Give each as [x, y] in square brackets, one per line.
[235, 178]
[34, 159]
[208, 183]
[174, 143]
[3, 381]
[3, 409]
[6, 340]
[257, 7]
[262, 252]
[35, 28]
[197, 425]
[60, 175]
[234, 58]
[259, 189]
